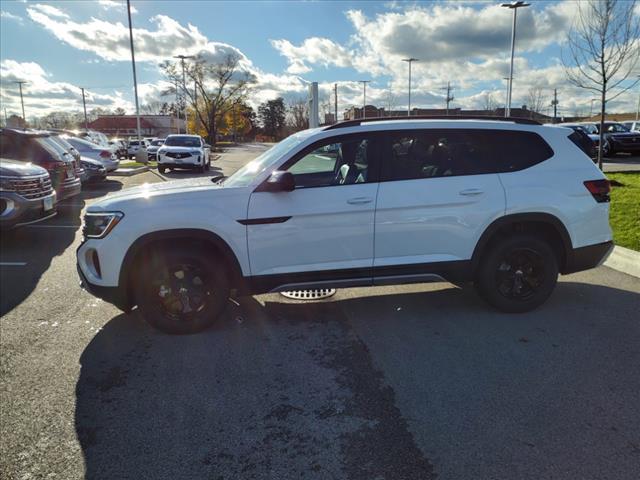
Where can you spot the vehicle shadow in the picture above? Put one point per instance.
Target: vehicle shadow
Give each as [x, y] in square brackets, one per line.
[97, 189]
[280, 389]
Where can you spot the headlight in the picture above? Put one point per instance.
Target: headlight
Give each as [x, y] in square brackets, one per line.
[90, 166]
[98, 225]
[195, 152]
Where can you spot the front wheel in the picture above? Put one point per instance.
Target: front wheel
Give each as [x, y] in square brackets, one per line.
[182, 290]
[162, 169]
[518, 273]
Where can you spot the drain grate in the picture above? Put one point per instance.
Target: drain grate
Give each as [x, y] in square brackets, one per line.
[317, 294]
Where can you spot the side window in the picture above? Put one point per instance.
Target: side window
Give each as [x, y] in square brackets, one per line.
[454, 152]
[7, 147]
[338, 163]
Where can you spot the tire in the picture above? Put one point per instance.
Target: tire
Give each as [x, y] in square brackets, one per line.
[517, 273]
[201, 169]
[162, 169]
[607, 150]
[181, 290]
[207, 167]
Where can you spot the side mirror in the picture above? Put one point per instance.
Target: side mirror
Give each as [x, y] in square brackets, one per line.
[279, 181]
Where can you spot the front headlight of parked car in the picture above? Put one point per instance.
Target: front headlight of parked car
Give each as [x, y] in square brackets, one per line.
[90, 166]
[98, 225]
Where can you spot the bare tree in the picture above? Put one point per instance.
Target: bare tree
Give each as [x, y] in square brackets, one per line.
[603, 50]
[391, 101]
[152, 107]
[212, 89]
[536, 100]
[298, 114]
[489, 102]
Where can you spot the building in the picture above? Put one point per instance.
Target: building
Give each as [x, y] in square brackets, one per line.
[126, 126]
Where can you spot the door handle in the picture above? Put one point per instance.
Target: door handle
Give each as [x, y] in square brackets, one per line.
[470, 192]
[359, 200]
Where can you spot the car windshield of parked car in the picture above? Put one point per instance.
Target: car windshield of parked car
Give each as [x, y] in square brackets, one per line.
[246, 174]
[616, 128]
[182, 141]
[157, 143]
[590, 128]
[83, 145]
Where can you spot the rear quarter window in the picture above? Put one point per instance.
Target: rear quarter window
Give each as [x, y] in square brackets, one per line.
[517, 150]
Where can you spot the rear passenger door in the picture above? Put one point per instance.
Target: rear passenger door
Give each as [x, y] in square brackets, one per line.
[437, 194]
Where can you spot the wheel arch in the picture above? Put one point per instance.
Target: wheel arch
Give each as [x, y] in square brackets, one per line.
[544, 224]
[206, 237]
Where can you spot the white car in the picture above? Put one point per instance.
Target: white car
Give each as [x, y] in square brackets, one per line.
[506, 204]
[184, 151]
[134, 146]
[104, 155]
[154, 145]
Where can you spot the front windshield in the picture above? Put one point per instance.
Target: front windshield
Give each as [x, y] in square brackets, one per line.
[616, 128]
[182, 141]
[246, 174]
[157, 143]
[592, 129]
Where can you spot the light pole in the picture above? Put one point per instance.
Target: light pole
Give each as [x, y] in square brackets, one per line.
[638, 108]
[20, 82]
[135, 80]
[184, 89]
[364, 97]
[409, 61]
[513, 6]
[84, 107]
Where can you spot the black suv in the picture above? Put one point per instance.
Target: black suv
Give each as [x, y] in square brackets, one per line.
[37, 147]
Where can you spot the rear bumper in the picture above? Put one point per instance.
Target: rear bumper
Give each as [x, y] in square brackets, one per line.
[587, 257]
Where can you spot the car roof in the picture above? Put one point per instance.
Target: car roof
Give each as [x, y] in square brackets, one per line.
[27, 132]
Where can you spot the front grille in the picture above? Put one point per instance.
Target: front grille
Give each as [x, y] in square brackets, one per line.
[32, 187]
[178, 154]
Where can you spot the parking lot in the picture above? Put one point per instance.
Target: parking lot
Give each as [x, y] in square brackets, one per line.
[411, 382]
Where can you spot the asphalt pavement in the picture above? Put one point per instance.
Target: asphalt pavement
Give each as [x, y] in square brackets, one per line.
[414, 382]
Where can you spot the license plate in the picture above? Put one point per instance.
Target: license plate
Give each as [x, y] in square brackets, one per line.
[48, 203]
[178, 160]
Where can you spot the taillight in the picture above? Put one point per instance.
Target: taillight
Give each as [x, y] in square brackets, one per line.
[600, 189]
[105, 154]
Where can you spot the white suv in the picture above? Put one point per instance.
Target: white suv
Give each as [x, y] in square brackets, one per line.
[184, 151]
[504, 204]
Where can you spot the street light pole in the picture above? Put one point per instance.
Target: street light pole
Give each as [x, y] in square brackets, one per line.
[135, 80]
[184, 89]
[513, 6]
[84, 107]
[20, 82]
[364, 97]
[409, 61]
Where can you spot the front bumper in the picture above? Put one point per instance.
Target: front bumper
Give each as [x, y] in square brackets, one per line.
[625, 147]
[113, 295]
[22, 211]
[585, 258]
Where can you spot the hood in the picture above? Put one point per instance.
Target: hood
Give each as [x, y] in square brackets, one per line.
[178, 149]
[624, 135]
[12, 168]
[154, 190]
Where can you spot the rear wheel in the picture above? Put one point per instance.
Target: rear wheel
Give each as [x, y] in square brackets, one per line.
[183, 290]
[518, 273]
[162, 169]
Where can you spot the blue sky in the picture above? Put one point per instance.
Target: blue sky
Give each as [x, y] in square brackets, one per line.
[59, 46]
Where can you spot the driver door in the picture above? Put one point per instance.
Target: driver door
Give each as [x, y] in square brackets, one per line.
[326, 223]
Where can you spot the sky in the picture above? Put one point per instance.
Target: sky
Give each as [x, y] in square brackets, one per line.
[60, 46]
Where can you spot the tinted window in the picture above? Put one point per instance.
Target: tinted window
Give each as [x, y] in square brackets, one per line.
[441, 153]
[337, 163]
[180, 141]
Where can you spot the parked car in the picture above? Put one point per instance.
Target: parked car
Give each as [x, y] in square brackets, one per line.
[26, 194]
[72, 151]
[505, 204]
[618, 138]
[37, 147]
[134, 146]
[154, 145]
[632, 125]
[119, 146]
[103, 155]
[94, 170]
[184, 151]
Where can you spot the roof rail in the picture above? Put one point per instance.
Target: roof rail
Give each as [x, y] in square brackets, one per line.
[360, 121]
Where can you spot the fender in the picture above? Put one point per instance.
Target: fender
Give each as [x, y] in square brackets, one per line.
[180, 233]
[518, 218]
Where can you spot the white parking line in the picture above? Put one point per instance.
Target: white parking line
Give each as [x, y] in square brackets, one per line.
[13, 264]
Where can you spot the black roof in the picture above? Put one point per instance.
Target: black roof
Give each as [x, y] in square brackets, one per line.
[28, 132]
[360, 121]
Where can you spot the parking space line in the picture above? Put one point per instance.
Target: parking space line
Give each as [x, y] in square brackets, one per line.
[13, 264]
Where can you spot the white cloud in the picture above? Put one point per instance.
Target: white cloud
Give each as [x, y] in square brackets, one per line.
[11, 16]
[314, 50]
[41, 95]
[48, 10]
[116, 5]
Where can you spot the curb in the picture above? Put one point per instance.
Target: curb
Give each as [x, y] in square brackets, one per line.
[158, 174]
[128, 172]
[624, 260]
